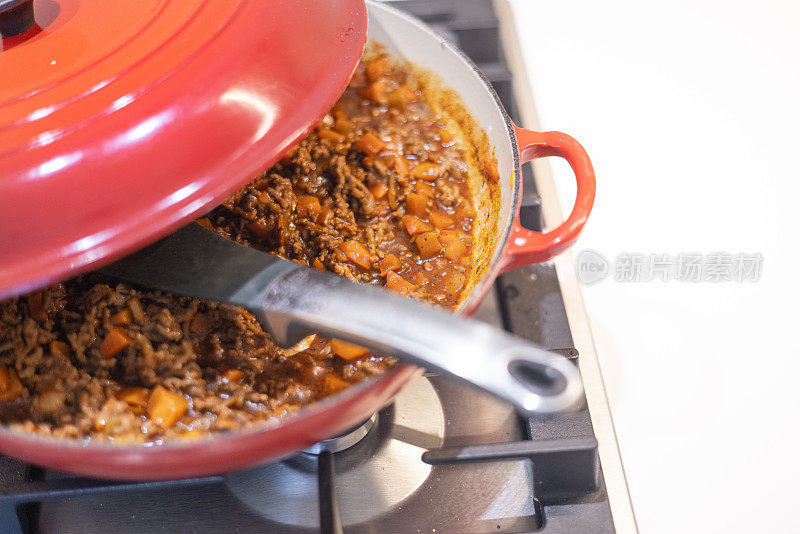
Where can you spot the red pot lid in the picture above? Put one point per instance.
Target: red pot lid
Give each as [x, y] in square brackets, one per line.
[120, 120]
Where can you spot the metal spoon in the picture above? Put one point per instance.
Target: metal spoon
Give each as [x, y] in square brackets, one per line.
[293, 301]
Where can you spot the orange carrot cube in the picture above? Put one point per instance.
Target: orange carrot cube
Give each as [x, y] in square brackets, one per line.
[10, 386]
[428, 245]
[330, 135]
[165, 407]
[379, 190]
[308, 206]
[426, 171]
[400, 166]
[348, 351]
[375, 69]
[390, 262]
[121, 318]
[136, 397]
[396, 283]
[357, 253]
[455, 250]
[115, 341]
[370, 144]
[441, 220]
[415, 226]
[417, 205]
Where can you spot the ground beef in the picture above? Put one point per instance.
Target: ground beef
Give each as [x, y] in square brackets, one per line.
[376, 193]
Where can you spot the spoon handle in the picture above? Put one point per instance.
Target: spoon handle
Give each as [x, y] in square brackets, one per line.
[301, 301]
[293, 301]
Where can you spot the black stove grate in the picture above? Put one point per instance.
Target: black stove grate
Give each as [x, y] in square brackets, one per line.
[568, 489]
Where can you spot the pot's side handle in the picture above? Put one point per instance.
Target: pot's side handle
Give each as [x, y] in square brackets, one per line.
[525, 246]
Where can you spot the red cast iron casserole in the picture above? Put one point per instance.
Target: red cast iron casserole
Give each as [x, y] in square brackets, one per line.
[507, 245]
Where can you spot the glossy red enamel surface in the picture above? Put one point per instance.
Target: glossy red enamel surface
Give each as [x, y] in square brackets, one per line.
[526, 247]
[124, 119]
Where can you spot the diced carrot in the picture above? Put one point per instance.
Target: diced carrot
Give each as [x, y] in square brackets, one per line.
[417, 205]
[454, 281]
[390, 262]
[339, 114]
[375, 69]
[375, 92]
[445, 136]
[10, 386]
[330, 135]
[165, 407]
[343, 126]
[36, 307]
[348, 351]
[464, 210]
[426, 171]
[447, 236]
[232, 375]
[318, 264]
[424, 189]
[357, 253]
[115, 341]
[441, 220]
[136, 397]
[325, 216]
[420, 279]
[455, 250]
[368, 160]
[192, 433]
[490, 168]
[59, 348]
[308, 206]
[396, 283]
[205, 222]
[400, 166]
[379, 190]
[415, 226]
[121, 318]
[428, 245]
[401, 96]
[333, 384]
[370, 144]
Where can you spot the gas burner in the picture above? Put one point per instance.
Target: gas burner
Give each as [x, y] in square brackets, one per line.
[373, 474]
[345, 440]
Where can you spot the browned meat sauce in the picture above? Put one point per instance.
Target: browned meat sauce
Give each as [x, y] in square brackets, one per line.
[377, 193]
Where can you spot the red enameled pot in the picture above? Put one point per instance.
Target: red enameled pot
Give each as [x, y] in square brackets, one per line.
[513, 246]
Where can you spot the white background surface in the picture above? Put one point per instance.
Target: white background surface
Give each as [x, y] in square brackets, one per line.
[690, 113]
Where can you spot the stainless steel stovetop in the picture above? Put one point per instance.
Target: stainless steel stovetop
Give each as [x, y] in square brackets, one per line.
[442, 458]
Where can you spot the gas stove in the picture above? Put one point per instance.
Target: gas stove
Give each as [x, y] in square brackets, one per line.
[442, 458]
